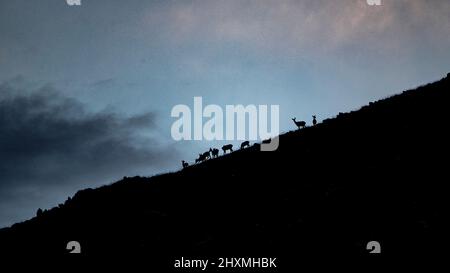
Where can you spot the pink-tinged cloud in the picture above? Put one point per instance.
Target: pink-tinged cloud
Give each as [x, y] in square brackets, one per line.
[313, 26]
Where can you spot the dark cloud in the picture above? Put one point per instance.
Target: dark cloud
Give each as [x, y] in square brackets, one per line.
[50, 145]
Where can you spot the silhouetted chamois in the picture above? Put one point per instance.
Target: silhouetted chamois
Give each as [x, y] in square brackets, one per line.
[227, 147]
[245, 144]
[202, 157]
[184, 163]
[199, 159]
[214, 152]
[207, 155]
[314, 122]
[299, 124]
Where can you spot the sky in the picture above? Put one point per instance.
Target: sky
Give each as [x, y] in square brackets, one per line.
[86, 91]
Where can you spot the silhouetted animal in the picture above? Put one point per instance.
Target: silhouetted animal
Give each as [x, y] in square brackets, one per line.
[184, 163]
[314, 120]
[227, 147]
[206, 155]
[201, 157]
[245, 144]
[214, 152]
[300, 124]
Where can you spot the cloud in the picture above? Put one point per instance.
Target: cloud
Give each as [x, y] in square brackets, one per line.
[293, 27]
[50, 146]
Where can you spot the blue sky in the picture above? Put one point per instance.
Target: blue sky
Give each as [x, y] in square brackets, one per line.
[127, 58]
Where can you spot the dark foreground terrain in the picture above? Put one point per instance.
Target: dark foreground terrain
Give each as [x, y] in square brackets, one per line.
[379, 173]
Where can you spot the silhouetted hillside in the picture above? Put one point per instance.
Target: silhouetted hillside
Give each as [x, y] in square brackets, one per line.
[379, 173]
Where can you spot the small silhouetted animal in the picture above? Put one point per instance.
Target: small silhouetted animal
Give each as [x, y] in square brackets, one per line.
[314, 120]
[206, 155]
[227, 147]
[245, 144]
[184, 163]
[201, 158]
[300, 124]
[214, 152]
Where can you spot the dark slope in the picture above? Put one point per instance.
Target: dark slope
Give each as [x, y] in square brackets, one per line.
[378, 173]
